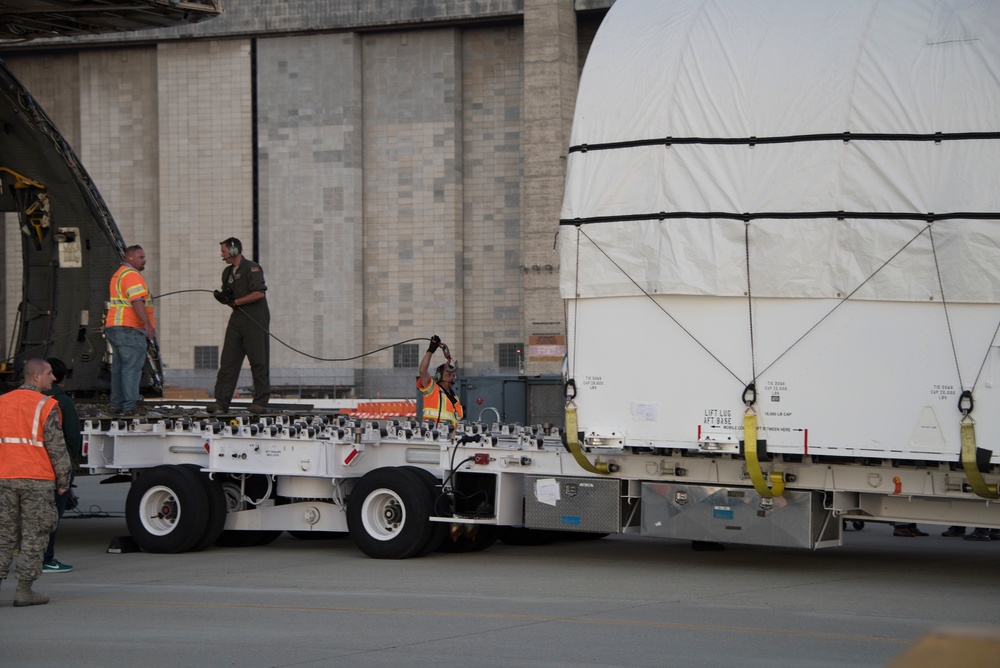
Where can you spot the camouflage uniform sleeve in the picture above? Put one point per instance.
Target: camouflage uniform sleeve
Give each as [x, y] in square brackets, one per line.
[55, 444]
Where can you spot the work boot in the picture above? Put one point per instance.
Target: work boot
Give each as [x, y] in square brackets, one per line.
[25, 596]
[257, 409]
[216, 407]
[979, 534]
[954, 532]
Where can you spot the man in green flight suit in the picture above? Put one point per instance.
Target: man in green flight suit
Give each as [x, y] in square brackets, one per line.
[247, 335]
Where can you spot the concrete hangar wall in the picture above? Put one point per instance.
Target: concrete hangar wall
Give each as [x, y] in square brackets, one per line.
[396, 168]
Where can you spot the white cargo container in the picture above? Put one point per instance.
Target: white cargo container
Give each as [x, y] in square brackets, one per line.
[801, 196]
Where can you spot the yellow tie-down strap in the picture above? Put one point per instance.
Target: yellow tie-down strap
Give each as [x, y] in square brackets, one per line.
[757, 476]
[573, 443]
[972, 472]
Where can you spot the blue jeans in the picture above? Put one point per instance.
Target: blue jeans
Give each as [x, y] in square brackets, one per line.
[128, 346]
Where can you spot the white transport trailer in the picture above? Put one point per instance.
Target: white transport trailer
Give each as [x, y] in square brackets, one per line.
[195, 483]
[242, 481]
[780, 253]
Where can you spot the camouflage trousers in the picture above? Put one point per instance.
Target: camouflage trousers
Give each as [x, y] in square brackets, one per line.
[28, 514]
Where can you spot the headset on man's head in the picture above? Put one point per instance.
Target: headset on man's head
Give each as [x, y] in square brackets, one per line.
[233, 245]
[451, 365]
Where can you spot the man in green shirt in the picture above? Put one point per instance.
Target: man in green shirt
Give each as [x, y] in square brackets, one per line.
[74, 443]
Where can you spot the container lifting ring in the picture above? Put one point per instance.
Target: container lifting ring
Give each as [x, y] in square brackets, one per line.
[965, 403]
[750, 395]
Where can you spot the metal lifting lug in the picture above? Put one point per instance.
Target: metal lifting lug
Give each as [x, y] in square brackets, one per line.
[750, 395]
[965, 402]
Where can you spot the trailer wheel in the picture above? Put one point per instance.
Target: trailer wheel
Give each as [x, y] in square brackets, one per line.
[266, 537]
[257, 489]
[388, 514]
[165, 509]
[246, 538]
[438, 529]
[858, 525]
[217, 509]
[317, 535]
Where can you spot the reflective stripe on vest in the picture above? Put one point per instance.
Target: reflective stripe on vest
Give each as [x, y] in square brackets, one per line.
[438, 407]
[120, 302]
[22, 435]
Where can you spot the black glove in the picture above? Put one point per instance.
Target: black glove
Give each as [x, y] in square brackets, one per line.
[223, 298]
[435, 342]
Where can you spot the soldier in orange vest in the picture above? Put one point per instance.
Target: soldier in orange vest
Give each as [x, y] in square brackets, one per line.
[34, 463]
[441, 404]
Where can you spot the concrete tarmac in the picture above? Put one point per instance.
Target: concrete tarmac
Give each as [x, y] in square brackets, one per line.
[619, 601]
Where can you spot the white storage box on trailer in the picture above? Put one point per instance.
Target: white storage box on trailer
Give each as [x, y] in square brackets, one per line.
[793, 207]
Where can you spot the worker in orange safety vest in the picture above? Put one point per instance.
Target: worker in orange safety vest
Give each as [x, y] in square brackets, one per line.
[128, 327]
[441, 404]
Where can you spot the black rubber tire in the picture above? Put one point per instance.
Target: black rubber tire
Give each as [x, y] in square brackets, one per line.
[525, 536]
[467, 539]
[858, 525]
[216, 509]
[440, 529]
[166, 510]
[237, 539]
[248, 538]
[266, 537]
[318, 535]
[255, 487]
[388, 513]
